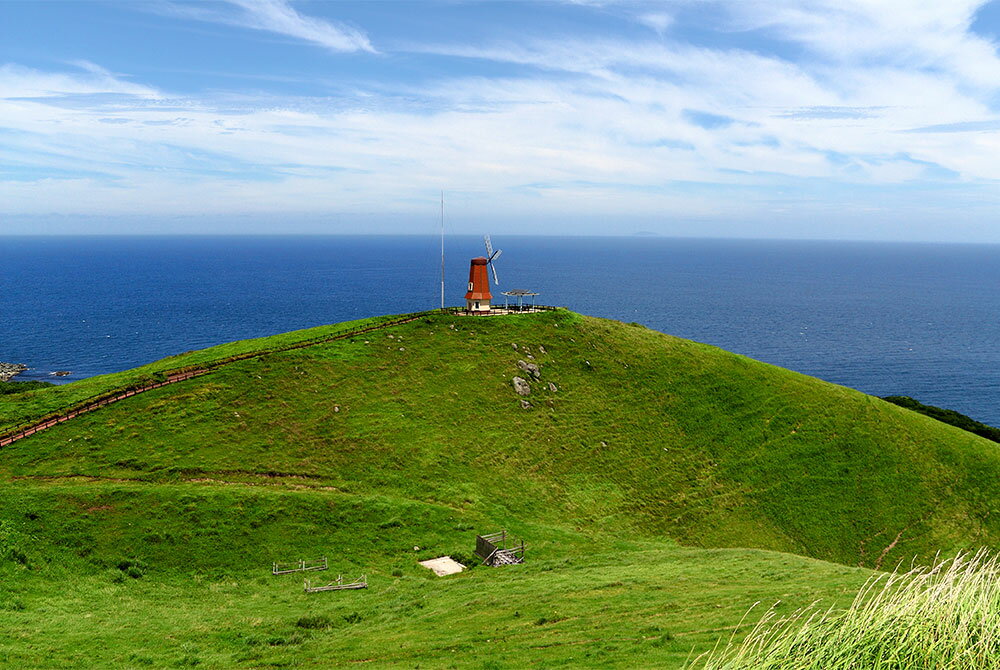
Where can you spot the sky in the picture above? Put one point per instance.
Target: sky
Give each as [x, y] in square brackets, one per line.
[821, 119]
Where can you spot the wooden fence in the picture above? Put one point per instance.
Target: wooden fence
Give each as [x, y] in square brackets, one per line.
[499, 549]
[339, 585]
[181, 374]
[301, 566]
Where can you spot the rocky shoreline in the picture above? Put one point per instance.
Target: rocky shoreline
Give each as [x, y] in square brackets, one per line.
[10, 370]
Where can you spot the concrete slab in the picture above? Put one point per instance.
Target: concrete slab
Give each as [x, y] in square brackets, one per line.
[445, 565]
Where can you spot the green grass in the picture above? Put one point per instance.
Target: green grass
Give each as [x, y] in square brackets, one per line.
[131, 575]
[361, 449]
[945, 616]
[31, 406]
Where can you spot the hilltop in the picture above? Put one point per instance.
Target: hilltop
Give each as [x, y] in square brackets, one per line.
[403, 443]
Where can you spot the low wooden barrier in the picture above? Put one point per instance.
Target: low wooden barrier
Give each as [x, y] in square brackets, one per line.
[301, 566]
[339, 585]
[185, 373]
[498, 549]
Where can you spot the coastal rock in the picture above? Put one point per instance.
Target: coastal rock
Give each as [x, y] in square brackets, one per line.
[521, 386]
[531, 368]
[61, 373]
[10, 370]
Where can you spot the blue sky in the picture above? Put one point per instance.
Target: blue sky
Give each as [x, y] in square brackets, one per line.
[844, 119]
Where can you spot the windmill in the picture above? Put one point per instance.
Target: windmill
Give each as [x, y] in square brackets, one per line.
[492, 256]
[477, 298]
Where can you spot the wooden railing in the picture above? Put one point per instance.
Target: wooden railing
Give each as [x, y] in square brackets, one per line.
[24, 430]
[499, 549]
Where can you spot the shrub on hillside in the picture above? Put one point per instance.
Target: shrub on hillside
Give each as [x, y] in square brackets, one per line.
[946, 616]
[948, 416]
[9, 388]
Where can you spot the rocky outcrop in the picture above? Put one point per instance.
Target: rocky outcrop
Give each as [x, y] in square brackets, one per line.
[10, 370]
[521, 386]
[530, 368]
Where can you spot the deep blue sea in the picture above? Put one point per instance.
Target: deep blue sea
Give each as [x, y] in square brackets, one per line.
[884, 318]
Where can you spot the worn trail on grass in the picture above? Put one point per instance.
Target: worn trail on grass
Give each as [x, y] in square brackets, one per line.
[173, 378]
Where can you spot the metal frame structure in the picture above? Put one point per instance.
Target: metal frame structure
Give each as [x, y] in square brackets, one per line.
[520, 294]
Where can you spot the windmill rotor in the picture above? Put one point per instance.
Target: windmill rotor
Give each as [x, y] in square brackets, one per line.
[492, 256]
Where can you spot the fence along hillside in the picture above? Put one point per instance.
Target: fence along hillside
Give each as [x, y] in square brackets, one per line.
[184, 373]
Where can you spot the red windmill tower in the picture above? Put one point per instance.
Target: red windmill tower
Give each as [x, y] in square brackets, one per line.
[477, 298]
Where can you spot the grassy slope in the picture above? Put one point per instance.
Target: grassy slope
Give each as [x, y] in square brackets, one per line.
[203, 595]
[24, 407]
[361, 450]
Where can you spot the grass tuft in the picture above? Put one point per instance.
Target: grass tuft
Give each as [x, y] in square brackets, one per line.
[945, 616]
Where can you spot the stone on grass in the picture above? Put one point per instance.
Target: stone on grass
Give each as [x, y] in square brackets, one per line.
[531, 368]
[521, 386]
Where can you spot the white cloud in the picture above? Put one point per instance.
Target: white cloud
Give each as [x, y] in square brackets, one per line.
[22, 82]
[658, 21]
[601, 127]
[277, 16]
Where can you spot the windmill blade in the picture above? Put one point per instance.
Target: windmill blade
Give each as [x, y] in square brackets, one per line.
[495, 278]
[489, 246]
[496, 254]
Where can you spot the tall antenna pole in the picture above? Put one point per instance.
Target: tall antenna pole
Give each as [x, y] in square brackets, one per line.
[442, 249]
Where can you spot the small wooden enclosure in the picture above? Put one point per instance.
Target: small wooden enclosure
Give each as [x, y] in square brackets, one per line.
[499, 549]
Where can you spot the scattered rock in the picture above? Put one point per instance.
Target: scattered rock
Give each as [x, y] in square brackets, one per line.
[525, 404]
[452, 326]
[514, 344]
[336, 408]
[416, 548]
[521, 386]
[402, 348]
[553, 387]
[10, 370]
[541, 349]
[531, 357]
[604, 444]
[531, 368]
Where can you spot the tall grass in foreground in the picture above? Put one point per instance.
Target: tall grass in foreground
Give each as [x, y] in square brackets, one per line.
[943, 617]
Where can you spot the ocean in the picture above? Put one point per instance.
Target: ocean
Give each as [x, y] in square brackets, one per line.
[884, 318]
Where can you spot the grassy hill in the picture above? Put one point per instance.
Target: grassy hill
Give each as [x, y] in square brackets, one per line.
[160, 515]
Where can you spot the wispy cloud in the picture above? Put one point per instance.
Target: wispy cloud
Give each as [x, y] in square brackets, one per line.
[551, 126]
[277, 16]
[23, 82]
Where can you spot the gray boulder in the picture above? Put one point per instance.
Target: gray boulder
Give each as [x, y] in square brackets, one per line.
[530, 368]
[521, 386]
[10, 370]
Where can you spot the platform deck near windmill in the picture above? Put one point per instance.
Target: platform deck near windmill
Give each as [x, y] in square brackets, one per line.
[500, 311]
